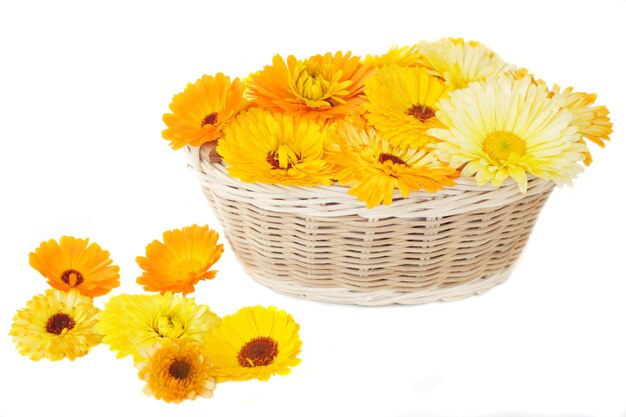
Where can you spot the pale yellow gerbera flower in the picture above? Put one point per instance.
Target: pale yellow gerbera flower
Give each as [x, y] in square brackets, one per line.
[56, 325]
[402, 104]
[405, 56]
[181, 260]
[130, 323]
[176, 370]
[460, 62]
[275, 148]
[374, 168]
[505, 127]
[255, 342]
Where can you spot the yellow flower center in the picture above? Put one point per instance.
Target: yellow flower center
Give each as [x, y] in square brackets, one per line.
[389, 157]
[259, 351]
[179, 369]
[421, 112]
[72, 277]
[501, 145]
[59, 322]
[209, 119]
[311, 80]
[283, 158]
[169, 326]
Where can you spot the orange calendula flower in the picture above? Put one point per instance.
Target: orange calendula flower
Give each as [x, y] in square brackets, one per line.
[200, 112]
[181, 260]
[176, 370]
[74, 263]
[375, 169]
[329, 86]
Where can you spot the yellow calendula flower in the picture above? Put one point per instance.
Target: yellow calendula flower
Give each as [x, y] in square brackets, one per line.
[505, 127]
[375, 169]
[275, 148]
[74, 263]
[255, 342]
[181, 260]
[592, 122]
[460, 62]
[328, 86]
[402, 104]
[56, 325]
[130, 323]
[176, 370]
[405, 56]
[202, 110]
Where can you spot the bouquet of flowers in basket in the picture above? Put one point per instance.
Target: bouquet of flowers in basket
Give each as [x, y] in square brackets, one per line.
[414, 118]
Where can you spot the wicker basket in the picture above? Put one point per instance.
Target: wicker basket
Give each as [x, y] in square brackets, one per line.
[320, 243]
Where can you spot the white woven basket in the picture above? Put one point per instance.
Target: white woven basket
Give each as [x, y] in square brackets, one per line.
[321, 243]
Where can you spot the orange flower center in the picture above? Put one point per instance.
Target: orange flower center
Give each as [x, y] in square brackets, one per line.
[421, 112]
[72, 277]
[179, 369]
[389, 157]
[501, 145]
[259, 351]
[209, 119]
[59, 322]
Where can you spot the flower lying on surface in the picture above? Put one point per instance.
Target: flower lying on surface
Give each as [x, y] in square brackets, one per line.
[200, 112]
[181, 260]
[130, 323]
[56, 325]
[176, 370]
[74, 263]
[255, 342]
[374, 168]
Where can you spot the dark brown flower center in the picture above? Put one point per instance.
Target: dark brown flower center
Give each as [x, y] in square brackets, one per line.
[259, 351]
[59, 322]
[421, 112]
[179, 369]
[72, 277]
[209, 119]
[389, 157]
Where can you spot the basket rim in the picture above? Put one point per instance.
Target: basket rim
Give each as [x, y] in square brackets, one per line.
[462, 197]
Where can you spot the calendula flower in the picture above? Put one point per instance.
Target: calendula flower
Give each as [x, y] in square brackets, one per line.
[202, 110]
[275, 148]
[460, 62]
[56, 325]
[176, 370]
[181, 260]
[374, 168]
[406, 56]
[328, 86]
[592, 122]
[402, 104]
[74, 263]
[506, 127]
[255, 342]
[130, 323]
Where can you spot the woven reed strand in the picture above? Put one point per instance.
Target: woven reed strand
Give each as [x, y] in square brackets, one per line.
[321, 243]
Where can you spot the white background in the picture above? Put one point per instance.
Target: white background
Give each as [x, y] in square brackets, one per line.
[83, 86]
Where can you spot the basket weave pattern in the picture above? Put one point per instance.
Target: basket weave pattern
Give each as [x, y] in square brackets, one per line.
[321, 243]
